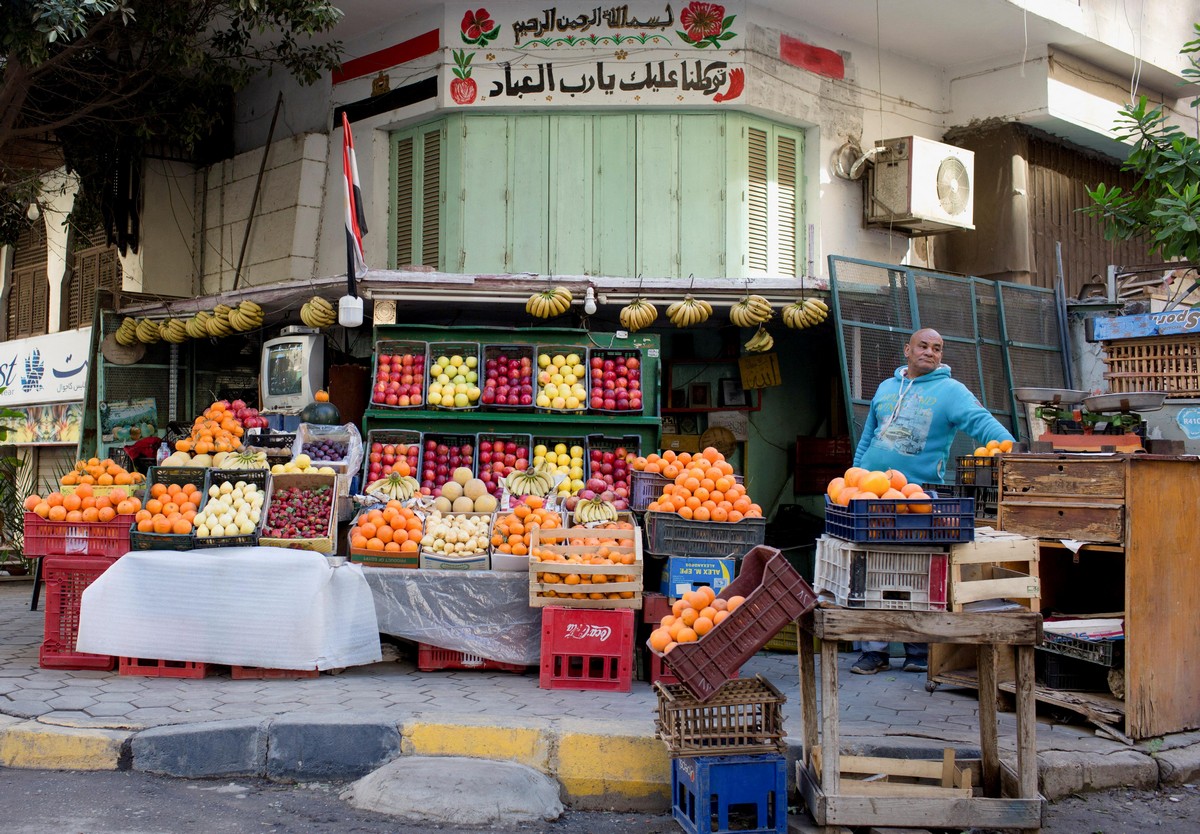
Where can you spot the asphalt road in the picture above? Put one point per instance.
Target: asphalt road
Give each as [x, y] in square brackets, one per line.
[51, 802]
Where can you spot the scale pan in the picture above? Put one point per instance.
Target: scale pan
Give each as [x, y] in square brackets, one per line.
[1049, 396]
[1134, 401]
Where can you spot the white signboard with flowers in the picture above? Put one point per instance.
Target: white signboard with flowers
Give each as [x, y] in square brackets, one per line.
[630, 54]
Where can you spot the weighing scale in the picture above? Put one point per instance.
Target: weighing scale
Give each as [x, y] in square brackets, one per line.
[1073, 421]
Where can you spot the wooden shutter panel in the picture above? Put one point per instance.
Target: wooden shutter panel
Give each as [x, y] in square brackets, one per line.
[431, 199]
[785, 202]
[404, 202]
[756, 200]
[40, 292]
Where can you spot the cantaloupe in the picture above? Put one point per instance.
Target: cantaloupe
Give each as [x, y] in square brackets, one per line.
[201, 461]
[452, 490]
[442, 504]
[463, 504]
[474, 488]
[485, 503]
[461, 475]
[178, 459]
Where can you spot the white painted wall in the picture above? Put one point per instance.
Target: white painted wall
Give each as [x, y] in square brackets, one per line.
[165, 263]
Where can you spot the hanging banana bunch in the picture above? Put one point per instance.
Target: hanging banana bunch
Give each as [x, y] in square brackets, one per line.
[761, 341]
[689, 312]
[197, 325]
[751, 311]
[547, 304]
[173, 331]
[147, 332]
[807, 312]
[126, 334]
[638, 314]
[218, 322]
[246, 316]
[318, 313]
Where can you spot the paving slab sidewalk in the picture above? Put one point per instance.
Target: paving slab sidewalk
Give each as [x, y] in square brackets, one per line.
[599, 745]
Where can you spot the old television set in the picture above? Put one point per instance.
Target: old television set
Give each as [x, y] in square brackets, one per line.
[293, 370]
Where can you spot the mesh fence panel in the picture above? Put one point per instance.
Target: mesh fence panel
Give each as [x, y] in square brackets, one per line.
[1029, 315]
[945, 305]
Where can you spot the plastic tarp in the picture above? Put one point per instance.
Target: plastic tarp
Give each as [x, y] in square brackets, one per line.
[246, 606]
[481, 613]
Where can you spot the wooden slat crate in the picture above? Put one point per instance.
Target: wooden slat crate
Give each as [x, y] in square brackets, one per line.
[1165, 363]
[621, 586]
[995, 566]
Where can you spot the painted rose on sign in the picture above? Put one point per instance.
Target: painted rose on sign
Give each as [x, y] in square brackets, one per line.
[705, 24]
[478, 28]
[463, 89]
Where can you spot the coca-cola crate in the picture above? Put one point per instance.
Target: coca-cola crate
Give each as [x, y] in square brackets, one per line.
[162, 668]
[584, 648]
[433, 659]
[66, 578]
[61, 538]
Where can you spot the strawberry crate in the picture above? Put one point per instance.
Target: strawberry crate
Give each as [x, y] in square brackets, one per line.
[905, 520]
[443, 453]
[576, 369]
[468, 353]
[180, 475]
[66, 578]
[743, 717]
[506, 366]
[404, 358]
[585, 648]
[669, 534]
[880, 577]
[60, 538]
[623, 365]
[496, 463]
[550, 581]
[405, 444]
[774, 594]
[162, 668]
[435, 659]
[306, 481]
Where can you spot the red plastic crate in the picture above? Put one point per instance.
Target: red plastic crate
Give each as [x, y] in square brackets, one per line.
[65, 579]
[258, 673]
[824, 451]
[587, 648]
[659, 673]
[58, 538]
[433, 659]
[148, 668]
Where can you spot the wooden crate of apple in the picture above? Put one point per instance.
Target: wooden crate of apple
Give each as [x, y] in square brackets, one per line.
[443, 455]
[616, 381]
[232, 509]
[562, 382]
[300, 512]
[498, 458]
[457, 534]
[464, 493]
[562, 459]
[586, 567]
[399, 379]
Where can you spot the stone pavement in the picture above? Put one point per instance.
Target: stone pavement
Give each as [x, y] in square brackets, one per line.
[599, 745]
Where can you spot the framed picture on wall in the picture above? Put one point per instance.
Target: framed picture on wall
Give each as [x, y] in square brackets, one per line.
[669, 424]
[679, 398]
[732, 394]
[699, 395]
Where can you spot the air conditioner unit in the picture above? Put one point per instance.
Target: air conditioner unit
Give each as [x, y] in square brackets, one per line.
[920, 187]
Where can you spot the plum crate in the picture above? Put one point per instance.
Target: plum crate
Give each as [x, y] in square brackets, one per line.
[565, 351]
[434, 659]
[61, 538]
[743, 717]
[467, 350]
[429, 477]
[495, 353]
[670, 534]
[261, 478]
[904, 520]
[482, 466]
[409, 439]
[397, 347]
[180, 475]
[595, 375]
[66, 578]
[901, 578]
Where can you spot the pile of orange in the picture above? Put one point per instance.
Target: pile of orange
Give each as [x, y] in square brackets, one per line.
[993, 448]
[602, 550]
[83, 506]
[96, 472]
[393, 529]
[692, 616]
[170, 508]
[892, 485]
[216, 430]
[511, 534]
[702, 488]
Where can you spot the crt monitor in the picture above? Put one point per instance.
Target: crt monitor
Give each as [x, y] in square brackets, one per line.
[293, 368]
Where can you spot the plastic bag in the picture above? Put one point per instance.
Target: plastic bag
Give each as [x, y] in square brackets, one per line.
[348, 434]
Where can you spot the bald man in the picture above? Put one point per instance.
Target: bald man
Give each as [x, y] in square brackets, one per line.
[914, 417]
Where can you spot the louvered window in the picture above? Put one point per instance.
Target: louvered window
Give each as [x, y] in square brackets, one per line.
[417, 195]
[758, 186]
[95, 266]
[773, 201]
[29, 291]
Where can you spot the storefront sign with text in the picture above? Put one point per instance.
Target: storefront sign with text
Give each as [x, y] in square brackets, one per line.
[45, 369]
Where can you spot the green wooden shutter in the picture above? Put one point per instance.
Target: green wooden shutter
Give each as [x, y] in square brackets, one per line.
[701, 196]
[484, 171]
[572, 229]
[614, 191]
[431, 199]
[404, 188]
[657, 195]
[417, 196]
[527, 196]
[774, 201]
[786, 205]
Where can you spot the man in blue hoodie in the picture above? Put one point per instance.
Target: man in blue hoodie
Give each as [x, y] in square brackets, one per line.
[913, 419]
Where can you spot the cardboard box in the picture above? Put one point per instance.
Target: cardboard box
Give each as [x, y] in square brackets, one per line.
[681, 442]
[687, 573]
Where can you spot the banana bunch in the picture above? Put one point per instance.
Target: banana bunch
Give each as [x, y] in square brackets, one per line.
[592, 510]
[218, 321]
[688, 312]
[751, 311]
[529, 482]
[807, 313]
[549, 303]
[395, 486]
[246, 316]
[147, 332]
[126, 334]
[173, 331]
[196, 326]
[638, 314]
[761, 341]
[319, 313]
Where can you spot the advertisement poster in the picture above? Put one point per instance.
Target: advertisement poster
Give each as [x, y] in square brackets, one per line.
[45, 369]
[45, 424]
[127, 421]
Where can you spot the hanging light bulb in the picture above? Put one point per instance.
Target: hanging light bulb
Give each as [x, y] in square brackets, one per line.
[589, 301]
[34, 211]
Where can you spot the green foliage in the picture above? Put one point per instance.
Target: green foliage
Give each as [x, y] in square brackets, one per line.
[1163, 206]
[12, 497]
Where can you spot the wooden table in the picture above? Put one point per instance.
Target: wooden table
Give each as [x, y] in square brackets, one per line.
[1010, 800]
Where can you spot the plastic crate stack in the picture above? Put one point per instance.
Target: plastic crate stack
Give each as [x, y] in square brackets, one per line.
[881, 576]
[974, 478]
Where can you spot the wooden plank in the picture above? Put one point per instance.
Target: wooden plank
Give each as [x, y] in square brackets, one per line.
[907, 768]
[657, 166]
[830, 735]
[948, 771]
[528, 196]
[486, 178]
[1027, 773]
[808, 692]
[811, 793]
[1062, 476]
[1088, 522]
[932, 812]
[858, 787]
[1015, 587]
[989, 745]
[1095, 706]
[1015, 628]
[572, 229]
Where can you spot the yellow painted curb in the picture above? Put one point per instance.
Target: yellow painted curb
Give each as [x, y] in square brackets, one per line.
[594, 767]
[525, 745]
[28, 744]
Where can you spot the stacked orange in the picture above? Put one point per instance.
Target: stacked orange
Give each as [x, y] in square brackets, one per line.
[216, 430]
[692, 616]
[702, 488]
[608, 551]
[393, 529]
[98, 472]
[892, 485]
[83, 506]
[170, 508]
[993, 448]
[511, 534]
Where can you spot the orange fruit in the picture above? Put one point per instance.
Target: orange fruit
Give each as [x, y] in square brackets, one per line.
[920, 508]
[909, 489]
[876, 482]
[31, 502]
[897, 478]
[835, 486]
[703, 625]
[735, 602]
[843, 498]
[1006, 445]
[895, 495]
[686, 635]
[853, 474]
[659, 638]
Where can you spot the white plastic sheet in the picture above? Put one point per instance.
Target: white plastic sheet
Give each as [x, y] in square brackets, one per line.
[246, 606]
[481, 613]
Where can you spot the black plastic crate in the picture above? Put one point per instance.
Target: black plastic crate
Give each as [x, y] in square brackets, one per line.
[986, 498]
[1109, 653]
[976, 471]
[495, 356]
[468, 351]
[429, 477]
[1057, 671]
[596, 381]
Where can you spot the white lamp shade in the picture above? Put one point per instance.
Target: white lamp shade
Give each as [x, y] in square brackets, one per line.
[350, 311]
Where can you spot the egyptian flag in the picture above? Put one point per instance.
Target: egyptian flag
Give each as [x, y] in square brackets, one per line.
[356, 218]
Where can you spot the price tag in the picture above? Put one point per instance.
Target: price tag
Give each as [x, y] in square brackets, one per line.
[76, 541]
[760, 371]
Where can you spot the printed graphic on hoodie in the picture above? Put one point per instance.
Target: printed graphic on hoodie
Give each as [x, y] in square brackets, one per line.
[906, 430]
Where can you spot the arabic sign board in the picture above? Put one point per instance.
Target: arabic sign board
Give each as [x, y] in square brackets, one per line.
[628, 54]
[760, 371]
[1175, 322]
[45, 369]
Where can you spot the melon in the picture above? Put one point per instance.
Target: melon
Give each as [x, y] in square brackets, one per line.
[463, 504]
[485, 503]
[201, 461]
[442, 504]
[474, 488]
[321, 414]
[452, 490]
[178, 459]
[461, 475]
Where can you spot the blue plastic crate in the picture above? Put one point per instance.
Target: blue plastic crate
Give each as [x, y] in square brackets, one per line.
[718, 794]
[950, 520]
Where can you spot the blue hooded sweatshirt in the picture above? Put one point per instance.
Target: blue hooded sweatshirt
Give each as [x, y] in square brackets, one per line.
[912, 423]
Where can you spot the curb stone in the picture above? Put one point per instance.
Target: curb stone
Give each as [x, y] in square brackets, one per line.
[30, 744]
[235, 747]
[1061, 773]
[1178, 766]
